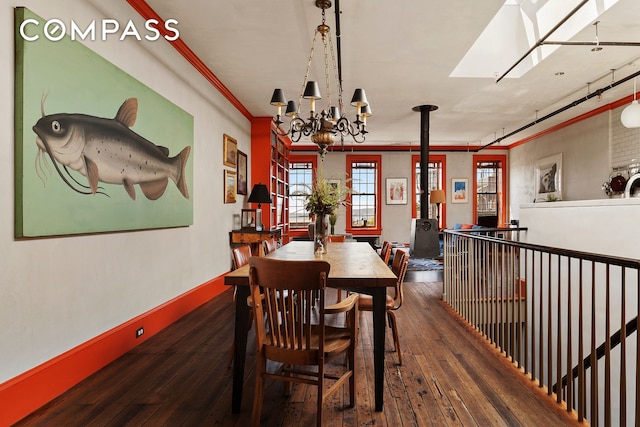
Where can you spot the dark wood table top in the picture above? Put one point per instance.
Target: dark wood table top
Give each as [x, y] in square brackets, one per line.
[353, 264]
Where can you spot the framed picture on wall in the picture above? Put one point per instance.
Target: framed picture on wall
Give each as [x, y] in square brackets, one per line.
[548, 178]
[396, 191]
[242, 173]
[230, 153]
[230, 183]
[460, 193]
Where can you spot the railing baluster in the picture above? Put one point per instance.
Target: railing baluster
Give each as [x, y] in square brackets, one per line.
[559, 336]
[594, 360]
[541, 329]
[607, 357]
[623, 348]
[637, 399]
[534, 372]
[523, 300]
[570, 394]
[582, 400]
[549, 328]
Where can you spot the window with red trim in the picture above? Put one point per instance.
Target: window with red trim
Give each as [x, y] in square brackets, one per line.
[363, 207]
[489, 189]
[437, 181]
[302, 170]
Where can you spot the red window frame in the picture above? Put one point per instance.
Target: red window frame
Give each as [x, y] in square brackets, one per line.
[502, 158]
[433, 158]
[365, 231]
[303, 158]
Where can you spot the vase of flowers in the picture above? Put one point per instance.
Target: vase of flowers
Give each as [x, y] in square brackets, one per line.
[323, 201]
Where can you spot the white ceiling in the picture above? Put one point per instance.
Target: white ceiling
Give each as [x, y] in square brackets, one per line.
[403, 53]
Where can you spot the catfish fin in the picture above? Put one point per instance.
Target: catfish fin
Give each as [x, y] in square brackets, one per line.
[153, 190]
[182, 182]
[131, 191]
[128, 112]
[92, 174]
[164, 150]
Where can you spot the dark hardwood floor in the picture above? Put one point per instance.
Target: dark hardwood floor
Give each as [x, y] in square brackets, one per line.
[180, 378]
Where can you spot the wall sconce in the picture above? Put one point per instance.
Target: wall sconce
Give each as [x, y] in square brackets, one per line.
[259, 194]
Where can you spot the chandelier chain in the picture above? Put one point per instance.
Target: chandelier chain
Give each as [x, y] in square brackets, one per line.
[326, 63]
[306, 75]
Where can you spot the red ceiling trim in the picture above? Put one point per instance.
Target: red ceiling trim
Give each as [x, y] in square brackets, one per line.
[608, 107]
[375, 148]
[147, 12]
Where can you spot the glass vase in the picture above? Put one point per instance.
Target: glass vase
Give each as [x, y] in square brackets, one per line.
[321, 234]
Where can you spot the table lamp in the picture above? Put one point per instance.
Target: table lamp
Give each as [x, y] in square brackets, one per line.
[259, 194]
[437, 197]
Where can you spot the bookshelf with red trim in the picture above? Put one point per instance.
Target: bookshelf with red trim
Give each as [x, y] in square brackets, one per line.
[270, 166]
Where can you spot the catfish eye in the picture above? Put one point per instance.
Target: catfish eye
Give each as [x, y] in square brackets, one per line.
[56, 127]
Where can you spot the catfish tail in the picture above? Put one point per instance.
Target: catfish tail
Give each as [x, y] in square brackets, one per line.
[182, 182]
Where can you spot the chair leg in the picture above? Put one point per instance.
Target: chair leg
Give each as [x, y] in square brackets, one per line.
[352, 380]
[394, 329]
[261, 366]
[320, 402]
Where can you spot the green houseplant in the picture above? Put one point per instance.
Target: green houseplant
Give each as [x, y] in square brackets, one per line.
[322, 203]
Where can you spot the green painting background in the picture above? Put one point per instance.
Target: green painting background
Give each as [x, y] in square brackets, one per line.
[77, 80]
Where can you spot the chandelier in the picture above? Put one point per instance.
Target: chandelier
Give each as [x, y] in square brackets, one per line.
[325, 126]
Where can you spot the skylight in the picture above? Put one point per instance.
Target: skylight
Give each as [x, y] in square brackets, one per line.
[517, 26]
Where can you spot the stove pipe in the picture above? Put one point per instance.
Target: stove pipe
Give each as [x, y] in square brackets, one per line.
[424, 157]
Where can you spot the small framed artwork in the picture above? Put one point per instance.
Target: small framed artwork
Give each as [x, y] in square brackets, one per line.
[397, 191]
[242, 173]
[230, 154]
[230, 184]
[335, 183]
[548, 178]
[248, 219]
[460, 193]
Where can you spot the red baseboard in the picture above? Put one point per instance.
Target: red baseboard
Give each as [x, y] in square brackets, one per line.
[27, 392]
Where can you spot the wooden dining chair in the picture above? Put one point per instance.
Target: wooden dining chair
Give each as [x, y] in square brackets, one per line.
[296, 334]
[365, 303]
[269, 245]
[241, 257]
[385, 251]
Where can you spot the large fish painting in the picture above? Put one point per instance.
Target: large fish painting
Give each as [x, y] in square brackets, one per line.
[96, 149]
[108, 151]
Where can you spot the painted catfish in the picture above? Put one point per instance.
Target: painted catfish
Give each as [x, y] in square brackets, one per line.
[108, 151]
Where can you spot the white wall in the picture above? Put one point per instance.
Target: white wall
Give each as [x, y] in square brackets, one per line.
[585, 162]
[597, 226]
[57, 293]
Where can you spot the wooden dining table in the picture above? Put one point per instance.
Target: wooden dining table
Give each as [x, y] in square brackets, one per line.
[355, 266]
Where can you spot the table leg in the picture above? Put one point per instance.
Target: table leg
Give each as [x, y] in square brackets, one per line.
[240, 346]
[379, 327]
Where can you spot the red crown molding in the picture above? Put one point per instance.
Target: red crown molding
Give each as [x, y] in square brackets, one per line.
[608, 107]
[379, 148]
[147, 12]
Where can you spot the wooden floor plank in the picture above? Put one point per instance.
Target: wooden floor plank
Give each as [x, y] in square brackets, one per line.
[450, 376]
